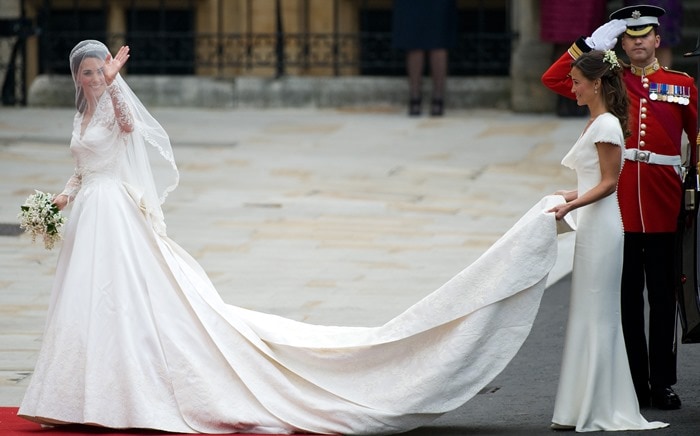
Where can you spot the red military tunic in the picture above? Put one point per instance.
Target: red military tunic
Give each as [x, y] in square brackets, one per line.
[649, 194]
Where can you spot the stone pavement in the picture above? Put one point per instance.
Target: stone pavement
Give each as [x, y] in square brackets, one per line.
[325, 216]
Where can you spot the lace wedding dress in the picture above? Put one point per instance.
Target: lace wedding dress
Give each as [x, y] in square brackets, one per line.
[595, 387]
[137, 337]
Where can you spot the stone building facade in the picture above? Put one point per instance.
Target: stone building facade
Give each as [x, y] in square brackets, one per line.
[226, 53]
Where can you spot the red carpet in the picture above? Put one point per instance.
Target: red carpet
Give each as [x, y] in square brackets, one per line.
[12, 425]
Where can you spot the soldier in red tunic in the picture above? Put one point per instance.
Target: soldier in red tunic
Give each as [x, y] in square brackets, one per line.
[663, 107]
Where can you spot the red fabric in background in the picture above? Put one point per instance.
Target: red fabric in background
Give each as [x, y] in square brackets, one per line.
[12, 425]
[564, 21]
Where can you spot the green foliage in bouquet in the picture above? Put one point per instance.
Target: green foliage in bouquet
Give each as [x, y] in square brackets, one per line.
[39, 217]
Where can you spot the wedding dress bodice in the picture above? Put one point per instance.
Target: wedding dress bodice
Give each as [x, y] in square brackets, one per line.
[99, 148]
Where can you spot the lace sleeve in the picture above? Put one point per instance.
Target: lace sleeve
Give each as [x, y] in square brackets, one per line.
[72, 187]
[122, 112]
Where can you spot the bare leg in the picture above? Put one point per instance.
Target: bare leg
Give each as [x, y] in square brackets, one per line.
[414, 66]
[438, 72]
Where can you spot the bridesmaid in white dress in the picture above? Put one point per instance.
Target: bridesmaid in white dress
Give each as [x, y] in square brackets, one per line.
[595, 387]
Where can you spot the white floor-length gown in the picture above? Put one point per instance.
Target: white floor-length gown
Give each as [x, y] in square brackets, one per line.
[595, 388]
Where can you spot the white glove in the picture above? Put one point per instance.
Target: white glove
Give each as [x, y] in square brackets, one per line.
[605, 37]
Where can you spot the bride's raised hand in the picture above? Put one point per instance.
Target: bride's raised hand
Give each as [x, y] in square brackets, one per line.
[114, 64]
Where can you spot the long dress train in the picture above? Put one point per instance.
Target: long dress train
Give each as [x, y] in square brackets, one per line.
[137, 337]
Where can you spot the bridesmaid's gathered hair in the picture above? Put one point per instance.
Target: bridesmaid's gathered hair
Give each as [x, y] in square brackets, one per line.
[597, 64]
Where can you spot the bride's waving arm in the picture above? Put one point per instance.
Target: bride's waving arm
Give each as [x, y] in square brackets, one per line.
[111, 68]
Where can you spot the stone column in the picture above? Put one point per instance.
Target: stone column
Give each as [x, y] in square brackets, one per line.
[9, 9]
[529, 59]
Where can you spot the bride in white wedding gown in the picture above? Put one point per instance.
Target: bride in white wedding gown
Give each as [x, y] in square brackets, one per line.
[137, 337]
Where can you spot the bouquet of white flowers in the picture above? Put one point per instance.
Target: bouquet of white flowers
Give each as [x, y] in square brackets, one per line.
[40, 217]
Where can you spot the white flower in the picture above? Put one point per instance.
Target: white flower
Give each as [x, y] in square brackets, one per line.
[611, 58]
[40, 217]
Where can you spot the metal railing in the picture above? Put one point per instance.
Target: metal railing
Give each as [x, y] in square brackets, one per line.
[240, 53]
[13, 38]
[159, 50]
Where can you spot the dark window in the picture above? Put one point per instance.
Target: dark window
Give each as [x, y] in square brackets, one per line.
[163, 40]
[483, 44]
[377, 57]
[61, 30]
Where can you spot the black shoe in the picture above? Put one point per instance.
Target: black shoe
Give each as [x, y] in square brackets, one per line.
[437, 108]
[665, 399]
[414, 107]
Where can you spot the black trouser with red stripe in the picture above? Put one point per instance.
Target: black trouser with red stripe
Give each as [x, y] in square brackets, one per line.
[649, 259]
